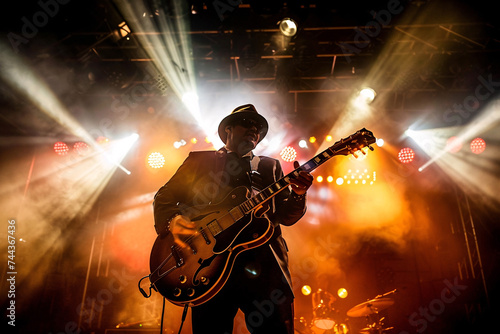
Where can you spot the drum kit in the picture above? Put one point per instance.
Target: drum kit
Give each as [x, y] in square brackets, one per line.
[326, 319]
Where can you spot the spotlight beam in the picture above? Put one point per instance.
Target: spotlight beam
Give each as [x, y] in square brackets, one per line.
[171, 50]
[486, 120]
[19, 75]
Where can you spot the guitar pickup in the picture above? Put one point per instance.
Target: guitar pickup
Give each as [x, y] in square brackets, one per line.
[205, 236]
[177, 256]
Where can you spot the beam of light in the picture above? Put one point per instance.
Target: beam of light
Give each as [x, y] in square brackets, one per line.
[352, 118]
[367, 95]
[62, 191]
[19, 75]
[117, 150]
[388, 70]
[432, 140]
[474, 173]
[166, 40]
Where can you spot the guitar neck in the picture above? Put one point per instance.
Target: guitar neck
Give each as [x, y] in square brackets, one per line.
[345, 146]
[275, 188]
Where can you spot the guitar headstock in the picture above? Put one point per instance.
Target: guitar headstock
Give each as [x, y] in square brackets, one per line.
[357, 143]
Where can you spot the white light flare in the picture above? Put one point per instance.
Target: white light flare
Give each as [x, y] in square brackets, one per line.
[117, 150]
[165, 38]
[20, 76]
[427, 139]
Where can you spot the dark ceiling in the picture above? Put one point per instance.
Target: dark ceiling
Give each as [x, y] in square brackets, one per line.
[416, 52]
[423, 57]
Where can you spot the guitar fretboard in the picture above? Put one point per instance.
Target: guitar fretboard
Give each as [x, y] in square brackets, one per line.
[282, 183]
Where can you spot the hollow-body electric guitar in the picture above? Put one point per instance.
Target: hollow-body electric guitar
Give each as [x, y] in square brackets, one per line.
[193, 275]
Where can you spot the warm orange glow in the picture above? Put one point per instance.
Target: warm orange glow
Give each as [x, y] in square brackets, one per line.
[156, 160]
[342, 293]
[306, 290]
[102, 140]
[361, 154]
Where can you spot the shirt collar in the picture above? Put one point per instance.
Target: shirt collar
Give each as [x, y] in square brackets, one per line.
[249, 154]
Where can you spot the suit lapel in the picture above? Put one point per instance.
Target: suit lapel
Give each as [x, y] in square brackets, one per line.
[220, 162]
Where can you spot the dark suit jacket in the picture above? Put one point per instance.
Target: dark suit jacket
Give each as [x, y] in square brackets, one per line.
[197, 181]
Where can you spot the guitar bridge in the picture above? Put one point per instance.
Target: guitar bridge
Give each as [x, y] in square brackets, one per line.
[177, 256]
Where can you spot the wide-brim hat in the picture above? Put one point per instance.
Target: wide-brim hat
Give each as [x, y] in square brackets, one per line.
[239, 113]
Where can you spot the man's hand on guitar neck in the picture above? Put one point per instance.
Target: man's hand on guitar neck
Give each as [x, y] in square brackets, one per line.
[181, 228]
[301, 184]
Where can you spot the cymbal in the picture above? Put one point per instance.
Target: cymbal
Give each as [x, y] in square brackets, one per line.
[370, 307]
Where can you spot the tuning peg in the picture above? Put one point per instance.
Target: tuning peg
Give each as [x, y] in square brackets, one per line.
[371, 148]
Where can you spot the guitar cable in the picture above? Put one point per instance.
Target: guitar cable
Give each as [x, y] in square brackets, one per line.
[184, 313]
[146, 295]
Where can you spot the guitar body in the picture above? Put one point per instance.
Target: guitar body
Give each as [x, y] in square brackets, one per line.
[194, 275]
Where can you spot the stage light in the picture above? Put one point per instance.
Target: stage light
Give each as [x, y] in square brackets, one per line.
[380, 142]
[453, 144]
[340, 181]
[306, 290]
[288, 154]
[329, 179]
[194, 140]
[61, 148]
[102, 140]
[410, 133]
[319, 178]
[288, 27]
[478, 145]
[367, 95]
[81, 148]
[156, 160]
[118, 149]
[357, 177]
[302, 144]
[406, 155]
[329, 138]
[312, 139]
[123, 29]
[180, 143]
[191, 101]
[342, 293]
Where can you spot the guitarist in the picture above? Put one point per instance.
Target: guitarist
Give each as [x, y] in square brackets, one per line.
[260, 283]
